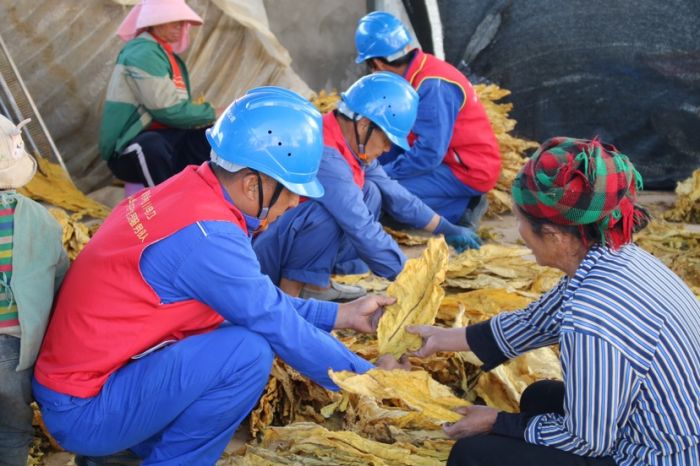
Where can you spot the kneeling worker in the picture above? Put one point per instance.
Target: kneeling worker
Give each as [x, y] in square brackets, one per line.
[163, 334]
[334, 232]
[454, 158]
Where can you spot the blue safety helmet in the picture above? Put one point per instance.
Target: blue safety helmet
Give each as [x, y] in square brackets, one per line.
[274, 131]
[387, 100]
[381, 34]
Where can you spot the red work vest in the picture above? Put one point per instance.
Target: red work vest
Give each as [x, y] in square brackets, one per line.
[105, 312]
[477, 162]
[333, 137]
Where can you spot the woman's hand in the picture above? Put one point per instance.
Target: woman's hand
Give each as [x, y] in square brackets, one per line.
[439, 339]
[477, 420]
[362, 314]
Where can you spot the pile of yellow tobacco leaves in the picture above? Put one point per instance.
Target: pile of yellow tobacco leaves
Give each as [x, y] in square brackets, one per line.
[52, 186]
[512, 148]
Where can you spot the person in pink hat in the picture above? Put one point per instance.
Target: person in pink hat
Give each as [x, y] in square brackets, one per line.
[32, 265]
[151, 128]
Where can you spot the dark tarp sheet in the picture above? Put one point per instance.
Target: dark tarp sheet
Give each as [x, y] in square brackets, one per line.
[627, 71]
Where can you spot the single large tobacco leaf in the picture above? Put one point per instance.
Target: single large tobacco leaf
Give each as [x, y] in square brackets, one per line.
[418, 294]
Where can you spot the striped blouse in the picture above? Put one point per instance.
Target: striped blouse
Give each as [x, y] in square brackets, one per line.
[629, 335]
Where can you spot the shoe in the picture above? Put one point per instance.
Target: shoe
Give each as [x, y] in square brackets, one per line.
[336, 292]
[123, 458]
[471, 218]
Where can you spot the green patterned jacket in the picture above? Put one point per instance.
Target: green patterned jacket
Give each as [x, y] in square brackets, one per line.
[142, 90]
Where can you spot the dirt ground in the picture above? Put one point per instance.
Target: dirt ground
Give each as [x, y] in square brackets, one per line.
[504, 228]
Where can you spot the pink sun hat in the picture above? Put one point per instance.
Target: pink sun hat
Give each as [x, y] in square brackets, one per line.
[154, 12]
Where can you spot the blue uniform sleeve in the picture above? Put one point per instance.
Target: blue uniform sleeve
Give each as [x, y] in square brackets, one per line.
[316, 312]
[397, 200]
[344, 200]
[160, 261]
[219, 268]
[438, 106]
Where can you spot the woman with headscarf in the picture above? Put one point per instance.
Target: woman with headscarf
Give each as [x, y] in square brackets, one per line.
[627, 326]
[151, 128]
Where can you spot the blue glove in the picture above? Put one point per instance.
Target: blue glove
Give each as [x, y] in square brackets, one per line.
[460, 238]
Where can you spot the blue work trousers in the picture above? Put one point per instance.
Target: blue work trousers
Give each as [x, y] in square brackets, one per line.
[177, 406]
[307, 245]
[442, 191]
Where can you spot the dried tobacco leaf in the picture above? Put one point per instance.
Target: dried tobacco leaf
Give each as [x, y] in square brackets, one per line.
[307, 440]
[288, 397]
[369, 411]
[480, 305]
[76, 234]
[470, 260]
[368, 281]
[502, 387]
[326, 101]
[416, 389]
[418, 294]
[676, 247]
[51, 185]
[687, 206]
[406, 239]
[500, 266]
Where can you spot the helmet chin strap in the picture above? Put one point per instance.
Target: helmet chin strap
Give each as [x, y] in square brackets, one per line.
[263, 211]
[362, 155]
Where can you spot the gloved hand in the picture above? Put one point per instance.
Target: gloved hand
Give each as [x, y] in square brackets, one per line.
[460, 238]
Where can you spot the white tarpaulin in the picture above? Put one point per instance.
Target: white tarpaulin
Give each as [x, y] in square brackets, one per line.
[65, 51]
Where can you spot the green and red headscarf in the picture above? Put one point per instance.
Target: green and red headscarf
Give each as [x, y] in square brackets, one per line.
[582, 182]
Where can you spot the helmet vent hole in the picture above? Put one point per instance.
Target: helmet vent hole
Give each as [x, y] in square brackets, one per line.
[393, 114]
[289, 154]
[269, 131]
[279, 143]
[383, 97]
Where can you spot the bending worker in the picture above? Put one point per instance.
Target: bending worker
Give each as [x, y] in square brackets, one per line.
[340, 231]
[151, 129]
[454, 158]
[137, 354]
[628, 329]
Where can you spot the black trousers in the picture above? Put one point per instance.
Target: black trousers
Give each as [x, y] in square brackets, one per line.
[154, 156]
[542, 397]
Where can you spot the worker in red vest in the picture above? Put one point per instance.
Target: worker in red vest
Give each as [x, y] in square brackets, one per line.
[163, 334]
[340, 232]
[454, 157]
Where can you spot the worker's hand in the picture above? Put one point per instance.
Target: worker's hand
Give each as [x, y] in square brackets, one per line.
[388, 362]
[459, 237]
[477, 420]
[467, 239]
[438, 339]
[362, 314]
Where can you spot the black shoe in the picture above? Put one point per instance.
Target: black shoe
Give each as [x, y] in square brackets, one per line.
[123, 458]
